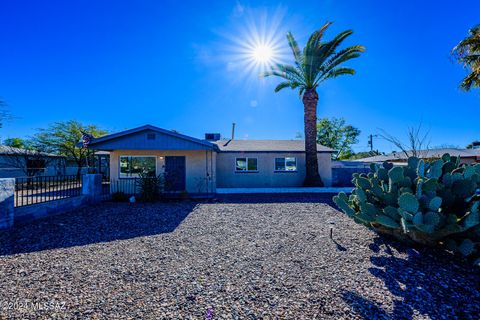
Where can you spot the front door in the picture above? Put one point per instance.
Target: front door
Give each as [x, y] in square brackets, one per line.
[175, 173]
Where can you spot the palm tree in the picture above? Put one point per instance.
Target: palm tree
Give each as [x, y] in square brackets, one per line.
[319, 61]
[467, 52]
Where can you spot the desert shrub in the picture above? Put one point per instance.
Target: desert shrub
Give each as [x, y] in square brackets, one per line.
[432, 203]
[150, 187]
[119, 197]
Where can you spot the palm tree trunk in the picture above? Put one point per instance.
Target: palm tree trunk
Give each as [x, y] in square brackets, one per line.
[310, 100]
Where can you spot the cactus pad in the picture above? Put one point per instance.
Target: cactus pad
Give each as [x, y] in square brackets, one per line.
[396, 174]
[408, 202]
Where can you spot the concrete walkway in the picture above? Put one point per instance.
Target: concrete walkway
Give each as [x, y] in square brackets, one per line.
[282, 190]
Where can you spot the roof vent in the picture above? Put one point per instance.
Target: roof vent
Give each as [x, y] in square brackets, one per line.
[151, 136]
[212, 136]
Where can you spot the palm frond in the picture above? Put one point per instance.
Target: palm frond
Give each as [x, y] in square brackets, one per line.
[287, 84]
[329, 48]
[316, 37]
[337, 72]
[310, 54]
[471, 80]
[301, 91]
[273, 72]
[291, 72]
[297, 54]
[344, 55]
[469, 45]
[471, 60]
[320, 55]
[467, 52]
[318, 61]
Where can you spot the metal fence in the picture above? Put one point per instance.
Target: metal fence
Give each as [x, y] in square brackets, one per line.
[33, 190]
[106, 194]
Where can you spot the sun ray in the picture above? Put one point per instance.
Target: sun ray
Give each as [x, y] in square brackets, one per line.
[257, 44]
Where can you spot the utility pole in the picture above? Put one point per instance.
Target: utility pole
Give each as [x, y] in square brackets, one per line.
[370, 141]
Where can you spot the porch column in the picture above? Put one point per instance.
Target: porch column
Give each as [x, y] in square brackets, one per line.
[92, 187]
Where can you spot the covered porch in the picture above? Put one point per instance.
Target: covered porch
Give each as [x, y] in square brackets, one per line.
[186, 164]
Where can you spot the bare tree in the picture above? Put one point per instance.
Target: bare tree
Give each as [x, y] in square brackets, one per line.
[4, 113]
[417, 145]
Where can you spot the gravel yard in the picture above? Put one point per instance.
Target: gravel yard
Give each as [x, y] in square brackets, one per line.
[240, 257]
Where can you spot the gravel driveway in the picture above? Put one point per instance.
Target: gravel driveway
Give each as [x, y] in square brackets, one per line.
[240, 257]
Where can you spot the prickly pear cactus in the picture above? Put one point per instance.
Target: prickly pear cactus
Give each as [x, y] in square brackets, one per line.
[435, 203]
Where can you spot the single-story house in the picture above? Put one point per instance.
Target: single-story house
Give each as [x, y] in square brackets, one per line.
[467, 156]
[17, 162]
[200, 166]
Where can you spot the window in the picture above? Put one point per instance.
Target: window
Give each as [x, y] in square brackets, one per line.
[286, 164]
[35, 166]
[133, 166]
[246, 164]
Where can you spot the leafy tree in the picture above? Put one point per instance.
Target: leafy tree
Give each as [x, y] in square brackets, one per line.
[17, 143]
[319, 61]
[474, 145]
[64, 138]
[336, 134]
[467, 53]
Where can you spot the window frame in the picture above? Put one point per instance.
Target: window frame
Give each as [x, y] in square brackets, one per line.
[135, 156]
[246, 161]
[285, 165]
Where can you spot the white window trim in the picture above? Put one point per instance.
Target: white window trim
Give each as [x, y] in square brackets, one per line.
[285, 164]
[245, 171]
[137, 155]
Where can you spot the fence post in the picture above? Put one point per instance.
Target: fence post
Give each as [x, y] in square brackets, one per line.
[92, 187]
[7, 193]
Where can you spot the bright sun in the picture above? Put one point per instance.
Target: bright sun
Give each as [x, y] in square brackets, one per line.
[257, 45]
[262, 54]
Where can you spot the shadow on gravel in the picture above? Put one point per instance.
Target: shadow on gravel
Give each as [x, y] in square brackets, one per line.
[426, 282]
[325, 198]
[101, 223]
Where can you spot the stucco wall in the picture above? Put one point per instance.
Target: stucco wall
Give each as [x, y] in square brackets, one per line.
[197, 163]
[266, 176]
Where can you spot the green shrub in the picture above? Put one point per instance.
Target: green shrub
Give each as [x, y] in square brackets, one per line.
[432, 203]
[150, 187]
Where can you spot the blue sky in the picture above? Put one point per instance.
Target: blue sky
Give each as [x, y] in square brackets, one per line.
[178, 65]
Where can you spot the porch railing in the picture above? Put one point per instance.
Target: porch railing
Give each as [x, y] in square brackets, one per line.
[128, 186]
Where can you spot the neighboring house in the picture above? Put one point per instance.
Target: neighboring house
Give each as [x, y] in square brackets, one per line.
[200, 166]
[16, 162]
[467, 156]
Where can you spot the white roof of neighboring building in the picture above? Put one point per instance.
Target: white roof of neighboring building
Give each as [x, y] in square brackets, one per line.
[431, 153]
[6, 150]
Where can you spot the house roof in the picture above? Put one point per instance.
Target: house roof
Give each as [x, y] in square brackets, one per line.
[266, 146]
[431, 153]
[148, 127]
[11, 151]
